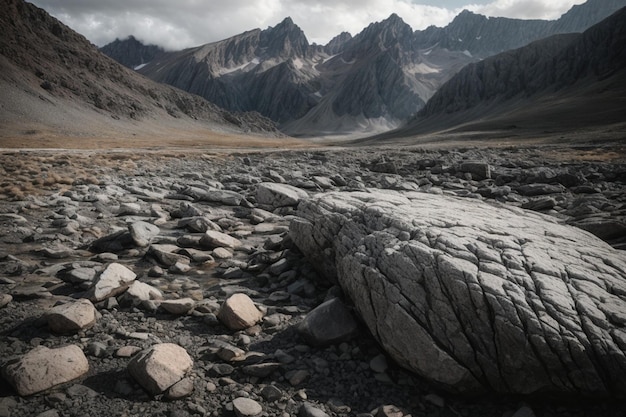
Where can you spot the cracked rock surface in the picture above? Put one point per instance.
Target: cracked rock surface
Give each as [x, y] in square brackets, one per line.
[475, 296]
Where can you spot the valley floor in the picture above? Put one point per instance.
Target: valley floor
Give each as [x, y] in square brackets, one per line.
[56, 201]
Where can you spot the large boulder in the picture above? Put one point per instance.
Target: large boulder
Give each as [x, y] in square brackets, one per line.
[160, 367]
[72, 317]
[474, 296]
[43, 368]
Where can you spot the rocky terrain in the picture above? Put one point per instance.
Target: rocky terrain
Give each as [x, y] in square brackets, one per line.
[186, 283]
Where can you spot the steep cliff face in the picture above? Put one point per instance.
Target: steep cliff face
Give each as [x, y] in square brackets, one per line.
[130, 52]
[484, 36]
[582, 16]
[571, 72]
[378, 80]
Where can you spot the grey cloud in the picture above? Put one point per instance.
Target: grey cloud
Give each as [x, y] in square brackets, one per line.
[186, 23]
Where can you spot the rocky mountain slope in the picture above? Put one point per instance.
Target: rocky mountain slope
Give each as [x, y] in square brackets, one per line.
[130, 52]
[54, 81]
[371, 82]
[567, 80]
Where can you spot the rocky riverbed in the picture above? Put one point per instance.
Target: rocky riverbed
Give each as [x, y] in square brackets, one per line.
[175, 282]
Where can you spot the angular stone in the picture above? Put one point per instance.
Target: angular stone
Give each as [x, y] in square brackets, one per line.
[181, 389]
[160, 366]
[226, 197]
[142, 233]
[540, 189]
[329, 323]
[455, 288]
[166, 254]
[43, 368]
[239, 312]
[72, 317]
[479, 170]
[178, 307]
[139, 292]
[273, 195]
[113, 280]
[214, 239]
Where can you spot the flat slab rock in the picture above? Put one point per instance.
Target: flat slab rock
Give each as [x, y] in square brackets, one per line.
[474, 296]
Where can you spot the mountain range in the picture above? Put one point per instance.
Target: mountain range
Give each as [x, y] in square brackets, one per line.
[53, 81]
[369, 83]
[575, 81]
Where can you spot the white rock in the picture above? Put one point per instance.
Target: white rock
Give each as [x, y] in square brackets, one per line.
[239, 312]
[273, 195]
[215, 239]
[246, 407]
[181, 306]
[43, 368]
[143, 232]
[113, 280]
[139, 291]
[72, 317]
[160, 366]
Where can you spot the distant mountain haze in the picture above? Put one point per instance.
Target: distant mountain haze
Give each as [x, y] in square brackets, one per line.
[370, 83]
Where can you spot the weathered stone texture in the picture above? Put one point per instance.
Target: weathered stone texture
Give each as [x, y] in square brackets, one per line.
[474, 296]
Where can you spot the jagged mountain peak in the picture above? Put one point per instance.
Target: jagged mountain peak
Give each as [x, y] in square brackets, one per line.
[383, 35]
[131, 52]
[284, 40]
[337, 43]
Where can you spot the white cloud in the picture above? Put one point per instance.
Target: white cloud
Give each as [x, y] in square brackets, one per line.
[525, 9]
[185, 23]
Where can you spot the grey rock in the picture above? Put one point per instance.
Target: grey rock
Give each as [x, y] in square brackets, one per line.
[540, 204]
[180, 389]
[167, 254]
[309, 410]
[272, 195]
[540, 189]
[427, 300]
[179, 306]
[479, 170]
[271, 393]
[142, 233]
[214, 239]
[139, 292]
[329, 323]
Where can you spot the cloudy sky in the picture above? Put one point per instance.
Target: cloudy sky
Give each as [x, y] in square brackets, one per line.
[183, 23]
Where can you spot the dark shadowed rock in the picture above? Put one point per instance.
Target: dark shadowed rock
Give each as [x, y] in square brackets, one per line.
[479, 296]
[329, 323]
